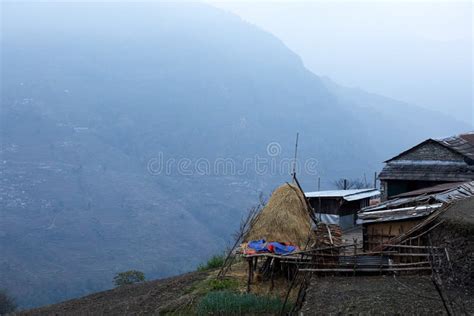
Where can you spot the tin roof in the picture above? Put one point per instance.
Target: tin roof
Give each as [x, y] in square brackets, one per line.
[463, 144]
[397, 214]
[422, 204]
[348, 195]
[430, 190]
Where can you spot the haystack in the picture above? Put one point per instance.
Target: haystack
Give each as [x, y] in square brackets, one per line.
[285, 218]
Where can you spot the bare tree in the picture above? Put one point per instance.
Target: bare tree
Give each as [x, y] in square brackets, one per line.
[346, 184]
[7, 303]
[245, 224]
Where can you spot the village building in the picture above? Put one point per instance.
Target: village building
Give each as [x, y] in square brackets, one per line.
[430, 163]
[340, 207]
[383, 222]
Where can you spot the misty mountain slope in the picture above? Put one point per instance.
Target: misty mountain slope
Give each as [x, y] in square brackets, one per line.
[377, 112]
[98, 99]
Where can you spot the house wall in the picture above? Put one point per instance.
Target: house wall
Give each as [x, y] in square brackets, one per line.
[347, 221]
[383, 190]
[346, 210]
[431, 151]
[375, 234]
[352, 207]
[394, 187]
[326, 205]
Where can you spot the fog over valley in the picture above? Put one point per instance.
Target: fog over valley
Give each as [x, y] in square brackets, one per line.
[137, 136]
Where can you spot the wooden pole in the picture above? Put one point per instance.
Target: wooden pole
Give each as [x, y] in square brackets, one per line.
[355, 258]
[272, 269]
[296, 152]
[308, 205]
[249, 279]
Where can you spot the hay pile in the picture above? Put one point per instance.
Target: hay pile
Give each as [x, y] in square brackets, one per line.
[285, 218]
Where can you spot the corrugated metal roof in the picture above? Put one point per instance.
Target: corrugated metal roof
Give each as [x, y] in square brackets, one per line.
[469, 137]
[363, 261]
[362, 195]
[416, 206]
[463, 191]
[397, 214]
[348, 195]
[461, 144]
[430, 190]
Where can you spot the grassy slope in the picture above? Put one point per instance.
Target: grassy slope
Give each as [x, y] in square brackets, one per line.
[147, 298]
[175, 295]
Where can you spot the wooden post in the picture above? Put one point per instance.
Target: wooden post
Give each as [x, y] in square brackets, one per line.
[381, 252]
[293, 174]
[272, 269]
[372, 239]
[293, 281]
[249, 280]
[355, 258]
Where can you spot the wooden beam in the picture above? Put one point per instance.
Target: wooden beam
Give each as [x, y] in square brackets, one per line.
[367, 269]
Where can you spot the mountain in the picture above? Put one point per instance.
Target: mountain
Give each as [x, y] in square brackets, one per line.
[136, 136]
[408, 124]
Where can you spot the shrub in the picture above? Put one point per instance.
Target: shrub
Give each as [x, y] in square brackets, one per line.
[206, 286]
[223, 284]
[129, 277]
[230, 303]
[7, 303]
[214, 262]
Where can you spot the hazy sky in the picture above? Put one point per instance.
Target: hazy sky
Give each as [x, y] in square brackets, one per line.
[419, 52]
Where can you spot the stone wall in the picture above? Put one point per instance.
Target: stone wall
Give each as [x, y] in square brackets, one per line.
[431, 151]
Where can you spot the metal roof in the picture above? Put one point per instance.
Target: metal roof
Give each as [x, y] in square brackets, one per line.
[397, 214]
[415, 206]
[348, 195]
[430, 190]
[463, 144]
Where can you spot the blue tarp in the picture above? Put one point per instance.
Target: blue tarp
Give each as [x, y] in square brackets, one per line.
[258, 245]
[280, 249]
[273, 247]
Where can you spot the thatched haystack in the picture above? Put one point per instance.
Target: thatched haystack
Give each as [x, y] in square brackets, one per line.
[285, 218]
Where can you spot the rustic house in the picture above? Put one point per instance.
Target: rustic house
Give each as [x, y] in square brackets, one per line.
[432, 162]
[340, 206]
[382, 222]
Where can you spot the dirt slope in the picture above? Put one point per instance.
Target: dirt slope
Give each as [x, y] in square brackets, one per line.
[152, 297]
[375, 295]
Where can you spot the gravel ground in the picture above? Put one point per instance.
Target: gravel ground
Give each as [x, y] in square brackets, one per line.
[373, 295]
